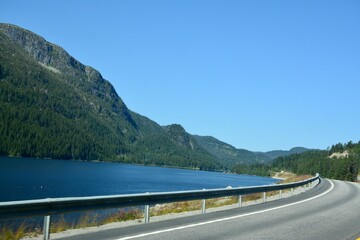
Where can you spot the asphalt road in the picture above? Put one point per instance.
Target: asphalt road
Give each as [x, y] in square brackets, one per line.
[331, 210]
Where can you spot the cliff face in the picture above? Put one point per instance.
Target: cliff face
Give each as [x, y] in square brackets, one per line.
[45, 52]
[83, 78]
[42, 51]
[56, 58]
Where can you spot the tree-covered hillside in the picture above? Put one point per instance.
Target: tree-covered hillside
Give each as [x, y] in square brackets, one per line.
[344, 164]
[341, 161]
[43, 116]
[52, 106]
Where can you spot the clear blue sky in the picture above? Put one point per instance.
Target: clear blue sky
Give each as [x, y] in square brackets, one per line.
[260, 75]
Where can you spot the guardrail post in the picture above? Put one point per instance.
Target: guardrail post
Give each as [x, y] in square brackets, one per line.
[203, 206]
[292, 191]
[264, 197]
[280, 194]
[46, 229]
[147, 213]
[240, 201]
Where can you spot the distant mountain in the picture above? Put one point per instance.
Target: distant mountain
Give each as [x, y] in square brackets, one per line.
[231, 156]
[228, 154]
[53, 106]
[281, 153]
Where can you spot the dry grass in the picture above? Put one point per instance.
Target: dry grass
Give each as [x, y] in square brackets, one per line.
[123, 215]
[89, 220]
[9, 234]
[60, 225]
[295, 178]
[16, 233]
[187, 206]
[218, 202]
[176, 207]
[251, 197]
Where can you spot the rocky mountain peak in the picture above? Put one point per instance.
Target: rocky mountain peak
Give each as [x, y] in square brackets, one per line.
[88, 81]
[48, 54]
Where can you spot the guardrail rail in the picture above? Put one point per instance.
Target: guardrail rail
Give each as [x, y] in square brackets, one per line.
[52, 206]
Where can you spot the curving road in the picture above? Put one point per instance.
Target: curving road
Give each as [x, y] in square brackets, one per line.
[331, 210]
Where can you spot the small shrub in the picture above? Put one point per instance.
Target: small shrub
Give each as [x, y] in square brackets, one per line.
[59, 226]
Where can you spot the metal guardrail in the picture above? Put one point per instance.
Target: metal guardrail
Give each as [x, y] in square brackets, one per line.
[52, 206]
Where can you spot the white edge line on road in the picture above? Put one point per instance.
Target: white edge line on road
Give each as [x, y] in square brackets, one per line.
[228, 218]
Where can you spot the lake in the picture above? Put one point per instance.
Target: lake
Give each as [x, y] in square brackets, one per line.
[29, 178]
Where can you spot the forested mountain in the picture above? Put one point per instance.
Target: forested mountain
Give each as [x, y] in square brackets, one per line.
[52, 106]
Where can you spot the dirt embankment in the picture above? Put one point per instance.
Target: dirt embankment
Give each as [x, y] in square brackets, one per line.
[284, 175]
[340, 155]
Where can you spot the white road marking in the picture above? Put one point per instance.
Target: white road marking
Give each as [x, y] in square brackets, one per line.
[226, 219]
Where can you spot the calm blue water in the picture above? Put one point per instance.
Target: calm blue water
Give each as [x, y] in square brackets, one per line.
[27, 178]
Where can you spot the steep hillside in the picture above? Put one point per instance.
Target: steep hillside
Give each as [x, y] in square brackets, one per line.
[46, 113]
[53, 106]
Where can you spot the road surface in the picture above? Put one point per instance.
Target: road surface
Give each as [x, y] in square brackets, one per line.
[331, 210]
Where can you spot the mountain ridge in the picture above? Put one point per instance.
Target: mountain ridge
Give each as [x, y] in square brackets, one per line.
[232, 156]
[51, 105]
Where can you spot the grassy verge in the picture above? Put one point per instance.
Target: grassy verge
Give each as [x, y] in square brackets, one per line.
[179, 207]
[25, 229]
[90, 220]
